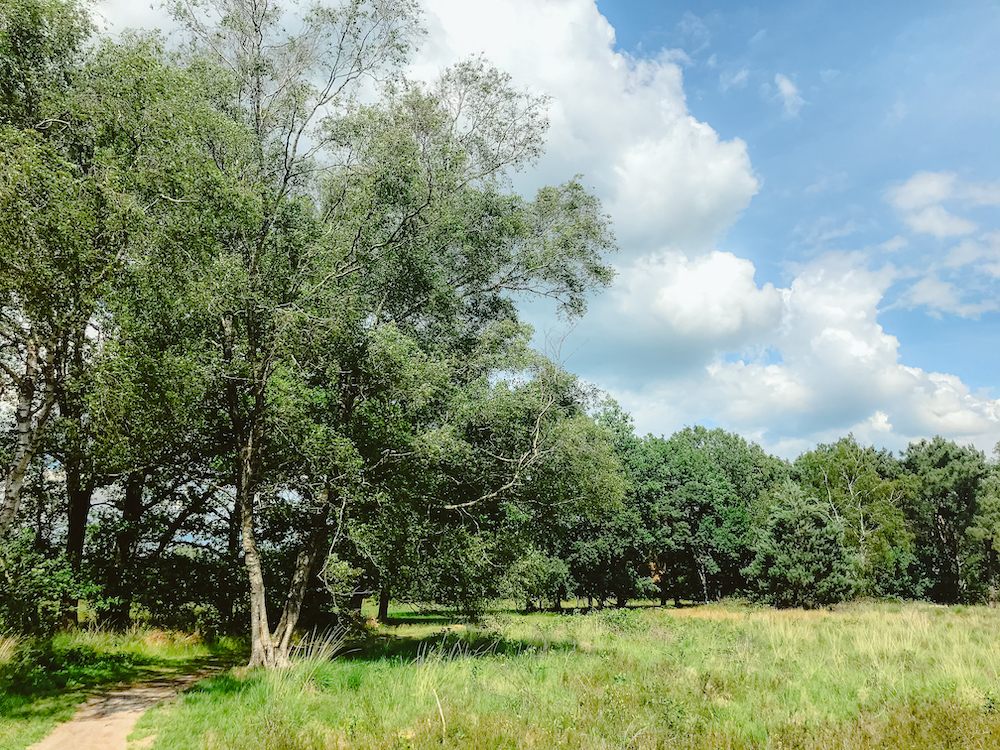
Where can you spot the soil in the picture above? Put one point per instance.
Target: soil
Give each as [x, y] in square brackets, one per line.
[105, 721]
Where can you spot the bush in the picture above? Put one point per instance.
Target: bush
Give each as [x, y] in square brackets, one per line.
[34, 588]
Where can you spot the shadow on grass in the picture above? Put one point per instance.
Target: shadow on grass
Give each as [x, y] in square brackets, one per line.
[43, 678]
[446, 646]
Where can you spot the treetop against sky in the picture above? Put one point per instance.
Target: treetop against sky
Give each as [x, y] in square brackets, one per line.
[805, 193]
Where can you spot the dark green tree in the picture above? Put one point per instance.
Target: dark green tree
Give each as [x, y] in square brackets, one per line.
[800, 559]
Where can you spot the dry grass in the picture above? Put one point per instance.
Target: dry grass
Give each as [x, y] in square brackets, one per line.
[8, 645]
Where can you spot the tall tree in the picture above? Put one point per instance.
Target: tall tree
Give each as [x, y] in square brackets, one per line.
[867, 490]
[354, 231]
[944, 508]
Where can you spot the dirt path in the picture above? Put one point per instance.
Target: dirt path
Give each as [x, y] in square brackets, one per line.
[106, 720]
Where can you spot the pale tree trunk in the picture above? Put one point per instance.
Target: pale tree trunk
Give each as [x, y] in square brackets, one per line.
[305, 567]
[262, 649]
[32, 414]
[248, 429]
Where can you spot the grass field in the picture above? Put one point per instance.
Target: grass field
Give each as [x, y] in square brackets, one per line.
[42, 682]
[865, 676]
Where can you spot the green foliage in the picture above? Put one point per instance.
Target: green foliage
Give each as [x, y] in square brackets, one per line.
[35, 588]
[868, 491]
[948, 479]
[39, 43]
[800, 559]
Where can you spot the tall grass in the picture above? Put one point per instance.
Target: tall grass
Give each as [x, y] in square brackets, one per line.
[8, 647]
[710, 677]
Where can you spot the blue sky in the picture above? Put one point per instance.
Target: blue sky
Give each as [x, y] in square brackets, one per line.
[806, 196]
[888, 89]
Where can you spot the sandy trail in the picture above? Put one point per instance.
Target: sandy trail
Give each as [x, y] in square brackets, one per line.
[106, 720]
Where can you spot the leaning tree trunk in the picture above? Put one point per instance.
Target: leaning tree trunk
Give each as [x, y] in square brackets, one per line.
[305, 568]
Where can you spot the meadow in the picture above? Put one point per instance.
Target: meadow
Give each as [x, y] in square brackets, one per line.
[859, 676]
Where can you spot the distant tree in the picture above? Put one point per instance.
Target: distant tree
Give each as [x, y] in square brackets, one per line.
[984, 533]
[868, 490]
[945, 506]
[699, 528]
[800, 559]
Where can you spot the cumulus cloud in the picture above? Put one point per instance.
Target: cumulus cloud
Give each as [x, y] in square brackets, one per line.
[688, 333]
[839, 371]
[666, 178]
[713, 298]
[790, 96]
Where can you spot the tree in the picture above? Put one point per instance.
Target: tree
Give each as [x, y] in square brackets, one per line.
[800, 559]
[699, 527]
[64, 227]
[350, 228]
[63, 237]
[869, 492]
[945, 506]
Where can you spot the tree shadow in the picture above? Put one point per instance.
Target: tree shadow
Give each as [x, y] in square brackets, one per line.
[447, 645]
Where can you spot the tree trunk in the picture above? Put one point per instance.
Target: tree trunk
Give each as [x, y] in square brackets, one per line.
[383, 602]
[305, 566]
[262, 650]
[79, 494]
[123, 587]
[30, 423]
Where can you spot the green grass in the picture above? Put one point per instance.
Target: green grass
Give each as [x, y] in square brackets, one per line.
[913, 676]
[42, 682]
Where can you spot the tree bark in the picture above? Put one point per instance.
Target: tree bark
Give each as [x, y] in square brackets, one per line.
[305, 567]
[79, 494]
[383, 602]
[262, 650]
[126, 540]
[31, 419]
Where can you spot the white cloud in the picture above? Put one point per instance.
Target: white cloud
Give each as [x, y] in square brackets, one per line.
[923, 189]
[982, 193]
[712, 298]
[839, 372]
[832, 182]
[667, 179]
[790, 95]
[732, 80]
[942, 296]
[937, 221]
[971, 251]
[896, 243]
[920, 198]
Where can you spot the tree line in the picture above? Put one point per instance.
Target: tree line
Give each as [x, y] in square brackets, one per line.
[261, 355]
